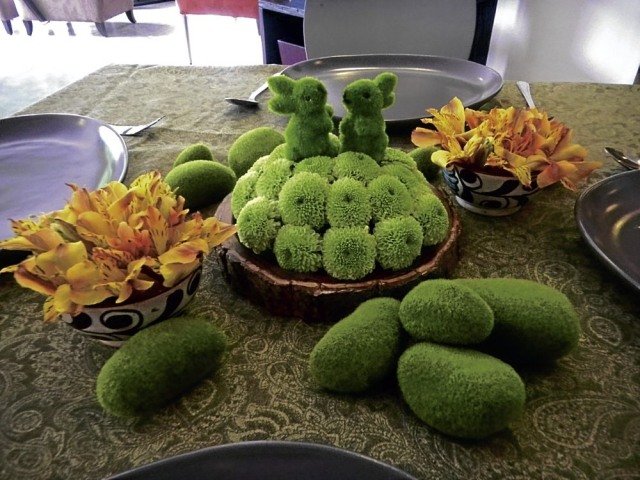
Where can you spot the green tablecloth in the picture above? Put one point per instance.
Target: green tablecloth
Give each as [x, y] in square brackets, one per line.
[582, 417]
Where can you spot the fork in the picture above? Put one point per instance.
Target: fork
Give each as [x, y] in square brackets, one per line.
[134, 129]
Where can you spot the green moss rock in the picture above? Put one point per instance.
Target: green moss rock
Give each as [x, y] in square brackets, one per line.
[360, 350]
[201, 182]
[534, 323]
[445, 311]
[198, 151]
[422, 157]
[463, 393]
[252, 145]
[158, 364]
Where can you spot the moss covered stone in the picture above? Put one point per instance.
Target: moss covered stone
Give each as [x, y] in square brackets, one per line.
[360, 350]
[198, 151]
[303, 200]
[463, 393]
[356, 165]
[348, 204]
[298, 248]
[201, 182]
[243, 192]
[422, 157]
[534, 323]
[258, 224]
[433, 218]
[389, 197]
[398, 242]
[252, 145]
[274, 175]
[348, 253]
[158, 364]
[445, 311]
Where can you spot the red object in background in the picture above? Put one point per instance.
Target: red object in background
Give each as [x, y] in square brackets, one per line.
[226, 8]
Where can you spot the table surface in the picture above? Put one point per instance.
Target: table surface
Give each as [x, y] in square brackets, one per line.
[582, 417]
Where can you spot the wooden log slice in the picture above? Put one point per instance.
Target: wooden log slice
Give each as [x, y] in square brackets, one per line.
[318, 296]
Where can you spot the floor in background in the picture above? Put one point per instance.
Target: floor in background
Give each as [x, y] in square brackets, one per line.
[59, 53]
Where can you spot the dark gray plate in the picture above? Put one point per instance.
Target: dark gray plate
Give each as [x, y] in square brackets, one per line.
[267, 460]
[608, 215]
[424, 81]
[40, 154]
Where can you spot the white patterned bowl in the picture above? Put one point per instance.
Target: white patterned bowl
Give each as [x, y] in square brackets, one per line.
[487, 194]
[113, 324]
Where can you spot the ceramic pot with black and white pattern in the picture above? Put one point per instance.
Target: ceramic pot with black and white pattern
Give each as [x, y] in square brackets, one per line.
[487, 194]
[114, 324]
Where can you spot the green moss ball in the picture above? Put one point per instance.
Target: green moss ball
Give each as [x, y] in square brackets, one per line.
[463, 393]
[389, 198]
[359, 350]
[348, 204]
[321, 165]
[348, 253]
[398, 242]
[534, 323]
[258, 224]
[279, 152]
[422, 157]
[303, 200]
[252, 145]
[201, 182]
[445, 311]
[243, 192]
[275, 174]
[298, 248]
[356, 165]
[433, 218]
[395, 155]
[198, 151]
[158, 364]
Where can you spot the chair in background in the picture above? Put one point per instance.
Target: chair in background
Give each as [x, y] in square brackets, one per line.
[227, 8]
[566, 41]
[426, 27]
[97, 11]
[8, 12]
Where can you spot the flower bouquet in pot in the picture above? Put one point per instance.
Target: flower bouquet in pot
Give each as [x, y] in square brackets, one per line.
[117, 259]
[494, 160]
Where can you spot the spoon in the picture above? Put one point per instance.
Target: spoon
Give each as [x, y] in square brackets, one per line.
[251, 101]
[622, 159]
[525, 90]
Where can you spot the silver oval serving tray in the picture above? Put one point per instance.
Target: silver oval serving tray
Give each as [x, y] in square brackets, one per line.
[41, 154]
[424, 81]
[608, 216]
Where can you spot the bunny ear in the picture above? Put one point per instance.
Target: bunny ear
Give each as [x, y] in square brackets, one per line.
[281, 85]
[386, 82]
[282, 101]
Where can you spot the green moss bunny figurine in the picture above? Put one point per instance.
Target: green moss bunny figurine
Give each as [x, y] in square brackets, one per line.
[305, 100]
[363, 129]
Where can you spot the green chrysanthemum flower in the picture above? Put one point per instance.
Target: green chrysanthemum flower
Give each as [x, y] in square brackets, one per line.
[258, 224]
[321, 165]
[278, 152]
[395, 155]
[243, 192]
[348, 253]
[348, 204]
[273, 178]
[356, 165]
[303, 200]
[411, 178]
[260, 164]
[298, 248]
[389, 197]
[432, 215]
[398, 242]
